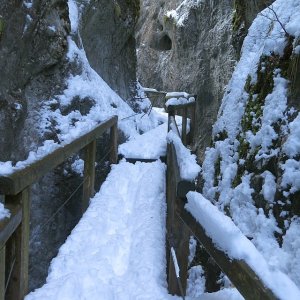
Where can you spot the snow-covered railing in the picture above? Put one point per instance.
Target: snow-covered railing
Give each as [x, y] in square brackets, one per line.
[235, 254]
[185, 105]
[181, 172]
[14, 231]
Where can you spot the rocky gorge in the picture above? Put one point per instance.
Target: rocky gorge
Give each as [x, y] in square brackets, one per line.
[51, 53]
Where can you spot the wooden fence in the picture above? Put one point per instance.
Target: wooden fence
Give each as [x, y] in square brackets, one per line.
[181, 225]
[14, 231]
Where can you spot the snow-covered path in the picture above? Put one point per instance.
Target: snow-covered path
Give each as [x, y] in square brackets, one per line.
[117, 250]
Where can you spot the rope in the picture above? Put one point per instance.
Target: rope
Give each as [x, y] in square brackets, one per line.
[9, 275]
[42, 227]
[146, 113]
[57, 211]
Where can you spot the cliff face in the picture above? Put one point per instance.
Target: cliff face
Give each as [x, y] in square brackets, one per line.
[36, 39]
[31, 58]
[193, 46]
[188, 47]
[33, 45]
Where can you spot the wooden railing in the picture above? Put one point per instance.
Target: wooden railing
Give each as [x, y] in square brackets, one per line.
[181, 225]
[14, 231]
[184, 110]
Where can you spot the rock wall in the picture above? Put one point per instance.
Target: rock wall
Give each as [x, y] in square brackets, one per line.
[194, 49]
[196, 56]
[34, 69]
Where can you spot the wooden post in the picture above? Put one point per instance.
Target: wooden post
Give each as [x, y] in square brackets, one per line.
[177, 232]
[89, 174]
[184, 123]
[169, 221]
[192, 124]
[18, 284]
[2, 273]
[114, 143]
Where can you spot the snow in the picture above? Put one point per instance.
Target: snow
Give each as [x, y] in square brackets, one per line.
[188, 167]
[73, 15]
[151, 144]
[117, 251]
[181, 13]
[78, 166]
[196, 282]
[269, 186]
[177, 95]
[28, 4]
[291, 175]
[274, 108]
[175, 262]
[179, 101]
[292, 145]
[227, 237]
[221, 165]
[4, 213]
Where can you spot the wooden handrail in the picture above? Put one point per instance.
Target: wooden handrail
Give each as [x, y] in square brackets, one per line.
[16, 186]
[181, 224]
[183, 109]
[238, 271]
[172, 107]
[14, 183]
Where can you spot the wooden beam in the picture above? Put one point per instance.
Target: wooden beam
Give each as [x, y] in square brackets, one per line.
[9, 225]
[192, 124]
[114, 144]
[19, 180]
[18, 285]
[184, 125]
[89, 174]
[238, 271]
[177, 233]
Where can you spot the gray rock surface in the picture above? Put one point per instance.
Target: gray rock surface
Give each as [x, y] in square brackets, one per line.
[34, 69]
[198, 57]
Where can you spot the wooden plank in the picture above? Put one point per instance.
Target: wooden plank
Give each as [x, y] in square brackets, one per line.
[178, 233]
[192, 124]
[114, 144]
[18, 285]
[2, 273]
[17, 181]
[89, 174]
[172, 174]
[238, 271]
[9, 225]
[184, 125]
[183, 187]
